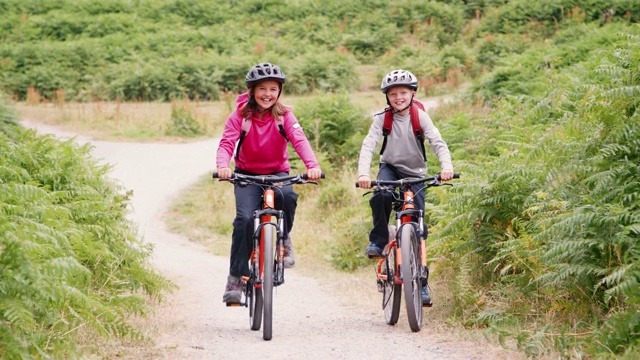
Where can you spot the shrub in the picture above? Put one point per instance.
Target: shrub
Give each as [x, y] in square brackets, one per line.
[328, 73]
[183, 121]
[549, 225]
[71, 265]
[332, 123]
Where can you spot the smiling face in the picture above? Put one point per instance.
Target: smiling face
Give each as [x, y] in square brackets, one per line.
[400, 97]
[266, 93]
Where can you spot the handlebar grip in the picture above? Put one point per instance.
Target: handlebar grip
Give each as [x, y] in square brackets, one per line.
[455, 176]
[215, 175]
[373, 183]
[305, 177]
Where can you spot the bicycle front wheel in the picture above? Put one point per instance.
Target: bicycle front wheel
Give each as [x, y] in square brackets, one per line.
[267, 282]
[410, 268]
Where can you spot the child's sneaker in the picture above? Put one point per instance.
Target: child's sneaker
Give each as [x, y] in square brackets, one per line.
[373, 251]
[233, 291]
[289, 259]
[426, 299]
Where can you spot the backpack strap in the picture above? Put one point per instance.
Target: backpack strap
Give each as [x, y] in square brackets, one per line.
[386, 127]
[417, 129]
[246, 126]
[415, 125]
[280, 124]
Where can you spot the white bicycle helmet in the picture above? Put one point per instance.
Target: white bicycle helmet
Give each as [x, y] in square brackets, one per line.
[399, 77]
[265, 71]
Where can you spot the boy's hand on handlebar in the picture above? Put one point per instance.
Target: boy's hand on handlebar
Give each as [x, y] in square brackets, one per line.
[446, 174]
[314, 174]
[224, 173]
[364, 182]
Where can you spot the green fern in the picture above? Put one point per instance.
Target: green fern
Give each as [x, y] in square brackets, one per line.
[70, 259]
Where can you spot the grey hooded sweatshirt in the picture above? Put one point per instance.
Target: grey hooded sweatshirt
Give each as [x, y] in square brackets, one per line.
[403, 150]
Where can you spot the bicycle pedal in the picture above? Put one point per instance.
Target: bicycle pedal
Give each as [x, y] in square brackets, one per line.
[375, 257]
[230, 304]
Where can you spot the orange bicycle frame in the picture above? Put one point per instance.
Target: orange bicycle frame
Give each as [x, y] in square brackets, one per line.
[269, 203]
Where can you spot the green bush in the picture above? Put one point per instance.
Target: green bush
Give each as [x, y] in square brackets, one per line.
[334, 126]
[78, 43]
[183, 121]
[433, 21]
[549, 225]
[8, 116]
[71, 264]
[346, 253]
[328, 73]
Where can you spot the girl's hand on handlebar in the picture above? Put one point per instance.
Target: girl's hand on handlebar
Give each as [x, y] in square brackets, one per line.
[364, 182]
[446, 174]
[314, 174]
[224, 173]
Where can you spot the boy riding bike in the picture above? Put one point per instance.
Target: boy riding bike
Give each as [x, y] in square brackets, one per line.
[404, 125]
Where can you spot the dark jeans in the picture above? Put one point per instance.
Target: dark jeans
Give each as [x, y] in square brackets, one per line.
[249, 199]
[381, 203]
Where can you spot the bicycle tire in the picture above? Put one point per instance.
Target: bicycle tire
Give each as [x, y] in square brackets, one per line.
[267, 283]
[392, 292]
[254, 295]
[411, 282]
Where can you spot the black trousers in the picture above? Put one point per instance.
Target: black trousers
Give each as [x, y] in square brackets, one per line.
[381, 205]
[249, 199]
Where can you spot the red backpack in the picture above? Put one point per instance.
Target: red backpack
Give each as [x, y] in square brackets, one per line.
[415, 125]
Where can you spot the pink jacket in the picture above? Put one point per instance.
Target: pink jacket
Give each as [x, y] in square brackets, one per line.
[264, 149]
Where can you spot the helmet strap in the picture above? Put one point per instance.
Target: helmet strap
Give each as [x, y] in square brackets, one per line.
[263, 111]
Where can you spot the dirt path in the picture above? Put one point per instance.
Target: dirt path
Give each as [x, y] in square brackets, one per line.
[193, 323]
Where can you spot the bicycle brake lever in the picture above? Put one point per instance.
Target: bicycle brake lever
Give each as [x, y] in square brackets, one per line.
[367, 193]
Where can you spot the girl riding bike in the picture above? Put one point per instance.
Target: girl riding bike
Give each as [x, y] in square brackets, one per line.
[261, 126]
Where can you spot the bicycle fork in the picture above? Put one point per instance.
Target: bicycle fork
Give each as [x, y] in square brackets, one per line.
[263, 222]
[405, 217]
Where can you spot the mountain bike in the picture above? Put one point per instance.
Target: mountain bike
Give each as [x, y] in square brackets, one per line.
[266, 261]
[404, 257]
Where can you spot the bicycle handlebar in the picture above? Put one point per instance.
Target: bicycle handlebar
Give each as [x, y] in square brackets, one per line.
[408, 181]
[267, 179]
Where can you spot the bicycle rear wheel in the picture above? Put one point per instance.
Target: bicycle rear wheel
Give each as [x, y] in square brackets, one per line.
[410, 269]
[254, 295]
[392, 293]
[267, 282]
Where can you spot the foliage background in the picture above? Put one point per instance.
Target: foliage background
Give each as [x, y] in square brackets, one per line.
[540, 237]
